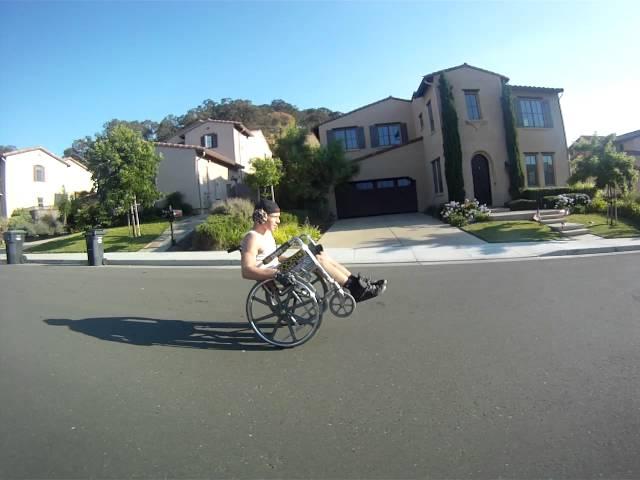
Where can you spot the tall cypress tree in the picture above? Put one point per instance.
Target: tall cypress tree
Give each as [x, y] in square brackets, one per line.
[451, 142]
[514, 166]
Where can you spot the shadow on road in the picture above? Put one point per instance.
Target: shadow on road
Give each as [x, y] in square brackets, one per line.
[174, 333]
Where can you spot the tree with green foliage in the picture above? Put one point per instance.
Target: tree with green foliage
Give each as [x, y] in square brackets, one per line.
[310, 172]
[610, 170]
[514, 165]
[63, 204]
[124, 167]
[451, 142]
[598, 160]
[267, 174]
[7, 149]
[273, 119]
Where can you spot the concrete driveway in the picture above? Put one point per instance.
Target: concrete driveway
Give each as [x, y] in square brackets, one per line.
[407, 229]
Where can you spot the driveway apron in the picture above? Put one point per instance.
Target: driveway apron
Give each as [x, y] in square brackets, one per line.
[402, 230]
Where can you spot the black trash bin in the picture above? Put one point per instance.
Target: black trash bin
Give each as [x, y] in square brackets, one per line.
[95, 247]
[13, 241]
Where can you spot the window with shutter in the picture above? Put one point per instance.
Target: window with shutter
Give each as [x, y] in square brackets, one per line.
[350, 138]
[390, 134]
[210, 140]
[38, 173]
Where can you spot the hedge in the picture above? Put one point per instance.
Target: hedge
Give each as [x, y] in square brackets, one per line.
[522, 204]
[535, 193]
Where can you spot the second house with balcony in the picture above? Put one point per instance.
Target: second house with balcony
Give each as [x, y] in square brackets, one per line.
[398, 144]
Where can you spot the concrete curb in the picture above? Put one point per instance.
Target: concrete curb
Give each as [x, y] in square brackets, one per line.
[346, 256]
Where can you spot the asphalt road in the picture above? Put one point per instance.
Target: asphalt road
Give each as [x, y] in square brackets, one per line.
[514, 370]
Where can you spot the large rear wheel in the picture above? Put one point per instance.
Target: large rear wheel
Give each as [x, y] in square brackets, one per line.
[283, 316]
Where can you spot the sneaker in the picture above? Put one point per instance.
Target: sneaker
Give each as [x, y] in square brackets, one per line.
[368, 280]
[372, 290]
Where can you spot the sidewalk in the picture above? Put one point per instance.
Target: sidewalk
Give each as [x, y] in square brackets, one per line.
[412, 254]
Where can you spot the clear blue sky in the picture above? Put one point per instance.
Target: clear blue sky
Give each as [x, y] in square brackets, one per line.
[69, 67]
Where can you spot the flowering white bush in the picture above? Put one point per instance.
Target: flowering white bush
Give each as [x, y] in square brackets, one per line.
[564, 202]
[459, 214]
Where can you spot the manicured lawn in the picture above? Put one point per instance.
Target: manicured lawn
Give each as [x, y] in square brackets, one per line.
[115, 240]
[597, 224]
[511, 231]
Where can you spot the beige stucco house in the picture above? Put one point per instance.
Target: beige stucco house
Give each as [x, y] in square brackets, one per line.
[32, 177]
[206, 160]
[398, 144]
[201, 174]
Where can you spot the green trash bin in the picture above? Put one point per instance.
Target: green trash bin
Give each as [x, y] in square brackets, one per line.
[14, 240]
[95, 246]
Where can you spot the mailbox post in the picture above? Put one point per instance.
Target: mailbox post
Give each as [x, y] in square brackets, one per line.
[172, 214]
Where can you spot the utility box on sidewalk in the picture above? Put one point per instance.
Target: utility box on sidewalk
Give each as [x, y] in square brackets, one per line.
[95, 246]
[14, 239]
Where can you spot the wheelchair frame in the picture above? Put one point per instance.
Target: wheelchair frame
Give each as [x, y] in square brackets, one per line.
[289, 315]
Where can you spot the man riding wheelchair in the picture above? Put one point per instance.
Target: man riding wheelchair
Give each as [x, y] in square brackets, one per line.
[292, 293]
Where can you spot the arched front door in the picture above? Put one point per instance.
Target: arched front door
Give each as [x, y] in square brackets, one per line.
[481, 179]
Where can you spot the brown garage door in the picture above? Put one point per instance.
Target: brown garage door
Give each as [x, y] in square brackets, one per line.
[380, 196]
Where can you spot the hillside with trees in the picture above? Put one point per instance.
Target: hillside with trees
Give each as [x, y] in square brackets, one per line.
[273, 119]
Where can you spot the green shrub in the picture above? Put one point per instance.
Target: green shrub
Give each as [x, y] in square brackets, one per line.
[4, 224]
[240, 207]
[598, 204]
[220, 232]
[482, 217]
[522, 204]
[287, 230]
[20, 222]
[630, 210]
[457, 220]
[535, 193]
[286, 217]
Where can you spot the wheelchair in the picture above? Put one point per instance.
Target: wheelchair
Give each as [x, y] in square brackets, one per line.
[289, 315]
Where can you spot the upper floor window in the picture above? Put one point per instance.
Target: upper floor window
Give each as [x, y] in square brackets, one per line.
[473, 105]
[38, 173]
[549, 171]
[389, 134]
[430, 112]
[351, 138]
[209, 140]
[531, 164]
[533, 113]
[421, 122]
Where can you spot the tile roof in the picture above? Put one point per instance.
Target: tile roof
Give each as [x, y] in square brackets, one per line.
[385, 150]
[205, 152]
[627, 136]
[238, 126]
[423, 84]
[538, 89]
[30, 149]
[390, 97]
